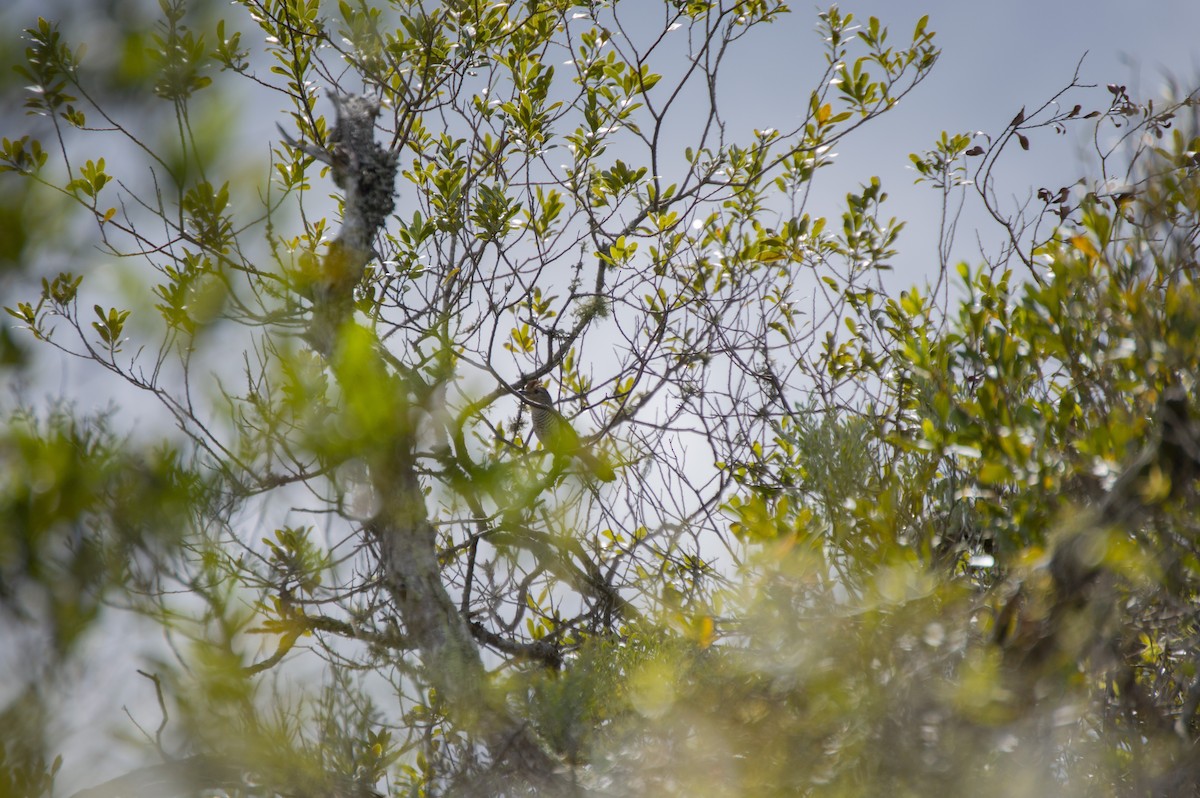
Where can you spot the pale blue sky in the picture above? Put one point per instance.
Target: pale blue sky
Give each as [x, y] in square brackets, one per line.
[996, 58]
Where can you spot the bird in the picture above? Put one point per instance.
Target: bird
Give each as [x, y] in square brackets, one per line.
[556, 433]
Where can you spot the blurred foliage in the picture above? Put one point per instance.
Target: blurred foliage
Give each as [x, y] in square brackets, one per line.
[947, 542]
[84, 513]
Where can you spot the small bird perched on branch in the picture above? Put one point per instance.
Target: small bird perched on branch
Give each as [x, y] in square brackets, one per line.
[557, 434]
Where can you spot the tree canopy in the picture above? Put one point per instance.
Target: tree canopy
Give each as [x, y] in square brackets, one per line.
[782, 529]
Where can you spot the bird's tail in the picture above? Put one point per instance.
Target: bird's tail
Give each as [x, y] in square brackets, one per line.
[598, 466]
